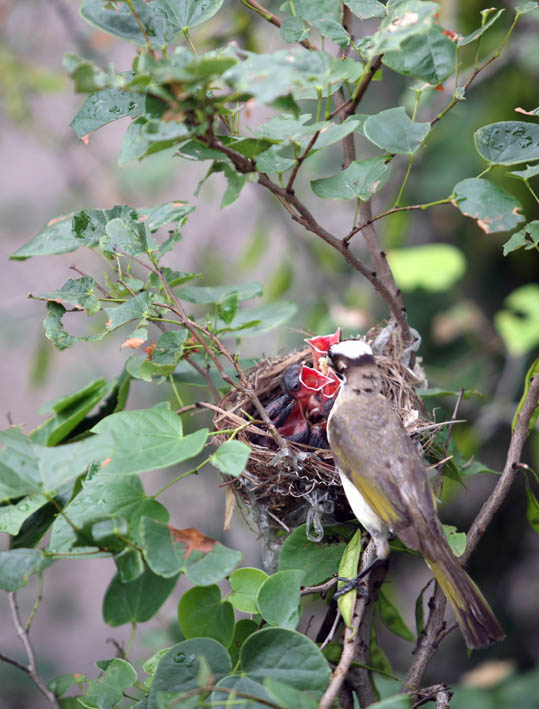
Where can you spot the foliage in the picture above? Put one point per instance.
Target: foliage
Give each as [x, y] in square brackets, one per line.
[71, 488]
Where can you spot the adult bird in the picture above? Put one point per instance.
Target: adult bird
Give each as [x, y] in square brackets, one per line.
[387, 486]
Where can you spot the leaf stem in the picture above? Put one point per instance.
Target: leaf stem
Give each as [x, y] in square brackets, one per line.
[193, 471]
[406, 176]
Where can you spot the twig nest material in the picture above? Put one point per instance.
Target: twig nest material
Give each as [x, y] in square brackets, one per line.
[285, 487]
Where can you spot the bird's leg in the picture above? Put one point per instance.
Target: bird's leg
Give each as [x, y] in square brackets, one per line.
[353, 584]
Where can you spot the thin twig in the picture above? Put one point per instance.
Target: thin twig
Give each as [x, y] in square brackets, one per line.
[85, 275]
[270, 17]
[322, 588]
[31, 668]
[450, 428]
[393, 210]
[510, 470]
[206, 376]
[300, 161]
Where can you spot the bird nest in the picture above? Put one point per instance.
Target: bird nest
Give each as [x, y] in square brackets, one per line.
[284, 486]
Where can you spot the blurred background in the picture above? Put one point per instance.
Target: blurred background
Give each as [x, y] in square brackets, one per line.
[47, 172]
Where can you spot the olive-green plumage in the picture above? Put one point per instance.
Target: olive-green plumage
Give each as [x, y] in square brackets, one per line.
[387, 486]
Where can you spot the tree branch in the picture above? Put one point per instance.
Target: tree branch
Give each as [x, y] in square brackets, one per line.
[270, 17]
[434, 629]
[31, 668]
[351, 637]
[510, 471]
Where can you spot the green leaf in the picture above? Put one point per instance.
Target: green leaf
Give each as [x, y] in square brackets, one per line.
[245, 583]
[508, 142]
[524, 7]
[266, 77]
[128, 236]
[66, 234]
[393, 619]
[178, 669]
[217, 294]
[79, 292]
[519, 325]
[492, 208]
[121, 22]
[205, 570]
[12, 517]
[148, 440]
[528, 237]
[255, 321]
[87, 76]
[532, 372]
[17, 565]
[173, 278]
[348, 568]
[56, 333]
[70, 412]
[326, 17]
[167, 213]
[137, 308]
[457, 540]
[393, 131]
[317, 560]
[202, 614]
[228, 308]
[286, 656]
[243, 628]
[160, 553]
[431, 57]
[287, 696]
[271, 161]
[434, 267]
[129, 564]
[419, 611]
[365, 9]
[104, 497]
[293, 30]
[107, 691]
[379, 659]
[136, 601]
[105, 106]
[479, 31]
[532, 508]
[404, 19]
[168, 352]
[530, 171]
[27, 468]
[55, 238]
[144, 137]
[187, 13]
[226, 700]
[360, 180]
[278, 598]
[231, 457]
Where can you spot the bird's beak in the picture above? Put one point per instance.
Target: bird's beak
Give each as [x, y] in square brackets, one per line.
[321, 344]
[312, 381]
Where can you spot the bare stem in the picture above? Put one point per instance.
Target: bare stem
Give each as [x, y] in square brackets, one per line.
[351, 639]
[31, 668]
[270, 17]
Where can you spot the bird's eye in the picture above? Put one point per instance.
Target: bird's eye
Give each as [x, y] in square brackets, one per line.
[295, 386]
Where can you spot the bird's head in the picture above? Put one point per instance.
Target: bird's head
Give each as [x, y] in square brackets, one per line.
[348, 354]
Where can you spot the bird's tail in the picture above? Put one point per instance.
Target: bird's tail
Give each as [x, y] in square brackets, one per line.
[476, 620]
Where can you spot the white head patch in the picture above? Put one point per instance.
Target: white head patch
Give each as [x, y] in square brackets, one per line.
[351, 349]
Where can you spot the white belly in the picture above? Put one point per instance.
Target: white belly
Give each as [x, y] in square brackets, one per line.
[367, 517]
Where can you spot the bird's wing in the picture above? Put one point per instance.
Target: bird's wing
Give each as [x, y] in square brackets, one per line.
[378, 456]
